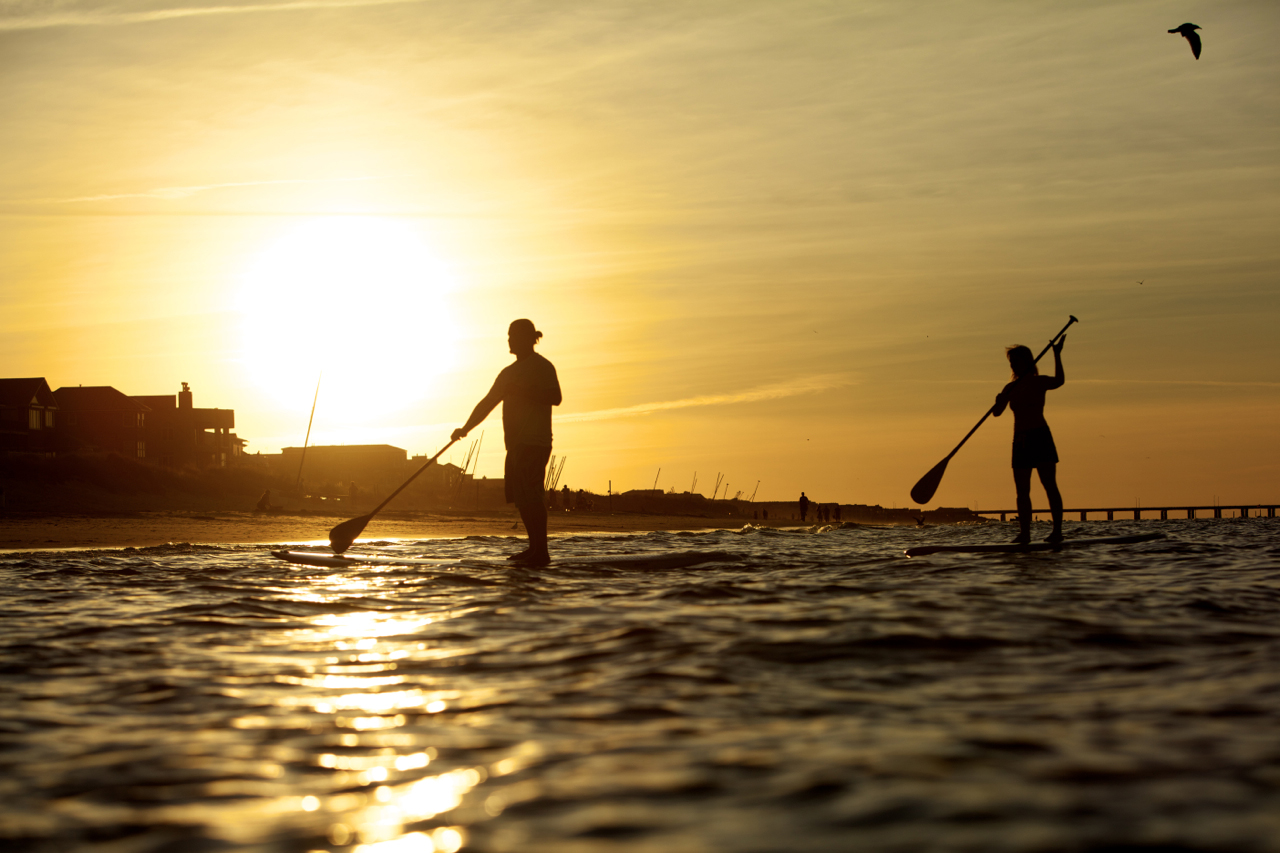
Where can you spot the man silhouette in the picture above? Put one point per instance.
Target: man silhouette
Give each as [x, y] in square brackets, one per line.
[527, 389]
[804, 506]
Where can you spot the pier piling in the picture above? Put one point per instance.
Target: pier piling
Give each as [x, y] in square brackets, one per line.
[1192, 512]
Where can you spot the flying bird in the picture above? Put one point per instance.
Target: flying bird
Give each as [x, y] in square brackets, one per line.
[1188, 32]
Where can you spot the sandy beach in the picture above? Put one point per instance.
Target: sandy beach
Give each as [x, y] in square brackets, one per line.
[47, 531]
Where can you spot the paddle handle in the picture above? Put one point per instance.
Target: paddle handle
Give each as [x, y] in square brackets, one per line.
[1054, 339]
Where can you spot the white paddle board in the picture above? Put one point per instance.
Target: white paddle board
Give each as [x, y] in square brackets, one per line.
[1013, 548]
[650, 560]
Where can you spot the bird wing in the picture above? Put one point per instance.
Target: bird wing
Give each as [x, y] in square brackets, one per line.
[1194, 38]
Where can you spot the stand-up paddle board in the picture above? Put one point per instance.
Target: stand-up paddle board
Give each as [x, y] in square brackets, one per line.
[1013, 548]
[651, 560]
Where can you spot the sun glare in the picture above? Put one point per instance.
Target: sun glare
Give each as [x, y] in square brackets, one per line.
[363, 300]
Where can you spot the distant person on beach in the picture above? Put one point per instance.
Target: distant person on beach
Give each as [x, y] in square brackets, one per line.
[527, 390]
[264, 502]
[1033, 446]
[804, 506]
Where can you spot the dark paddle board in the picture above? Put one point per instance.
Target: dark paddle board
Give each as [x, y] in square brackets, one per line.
[650, 560]
[1011, 548]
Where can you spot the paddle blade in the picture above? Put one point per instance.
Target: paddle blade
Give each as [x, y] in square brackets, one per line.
[341, 537]
[923, 491]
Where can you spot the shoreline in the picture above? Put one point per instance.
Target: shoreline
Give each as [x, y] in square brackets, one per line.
[23, 532]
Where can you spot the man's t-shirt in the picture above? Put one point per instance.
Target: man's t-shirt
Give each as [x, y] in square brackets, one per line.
[528, 388]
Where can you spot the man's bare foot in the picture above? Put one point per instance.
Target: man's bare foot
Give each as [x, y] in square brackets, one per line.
[531, 559]
[1022, 539]
[520, 556]
[1055, 537]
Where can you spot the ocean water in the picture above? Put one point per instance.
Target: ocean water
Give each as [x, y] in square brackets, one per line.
[814, 690]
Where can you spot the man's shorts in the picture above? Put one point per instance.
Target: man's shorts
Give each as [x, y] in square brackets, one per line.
[524, 472]
[1034, 448]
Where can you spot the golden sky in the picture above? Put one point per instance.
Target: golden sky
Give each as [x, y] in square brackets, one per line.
[783, 242]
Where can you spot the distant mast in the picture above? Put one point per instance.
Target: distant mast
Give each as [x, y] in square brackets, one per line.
[307, 440]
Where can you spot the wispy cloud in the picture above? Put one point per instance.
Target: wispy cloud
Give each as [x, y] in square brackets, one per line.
[777, 391]
[1198, 383]
[173, 193]
[114, 18]
[1210, 383]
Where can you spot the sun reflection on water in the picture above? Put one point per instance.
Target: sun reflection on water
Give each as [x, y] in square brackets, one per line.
[381, 822]
[446, 839]
[370, 626]
[353, 692]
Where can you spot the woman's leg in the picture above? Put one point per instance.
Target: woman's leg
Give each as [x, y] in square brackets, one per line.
[1022, 482]
[1049, 479]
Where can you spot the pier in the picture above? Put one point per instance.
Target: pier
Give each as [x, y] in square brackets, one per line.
[1136, 512]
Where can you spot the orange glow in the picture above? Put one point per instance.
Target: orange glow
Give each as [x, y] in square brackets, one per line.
[753, 249]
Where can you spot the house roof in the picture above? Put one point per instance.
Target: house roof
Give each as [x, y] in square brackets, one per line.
[96, 398]
[347, 448]
[26, 392]
[155, 402]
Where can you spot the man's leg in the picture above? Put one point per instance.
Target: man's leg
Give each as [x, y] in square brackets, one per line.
[525, 470]
[534, 516]
[1049, 479]
[1022, 482]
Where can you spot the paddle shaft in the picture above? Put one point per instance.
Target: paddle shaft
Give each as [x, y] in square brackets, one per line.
[1052, 341]
[924, 490]
[342, 536]
[415, 476]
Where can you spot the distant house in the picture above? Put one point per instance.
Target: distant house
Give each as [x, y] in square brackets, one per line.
[27, 416]
[339, 465]
[182, 436]
[101, 418]
[440, 476]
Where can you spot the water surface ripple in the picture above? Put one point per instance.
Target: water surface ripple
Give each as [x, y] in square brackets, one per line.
[815, 690]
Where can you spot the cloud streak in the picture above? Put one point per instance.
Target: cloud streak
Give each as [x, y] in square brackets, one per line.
[776, 391]
[174, 193]
[1211, 383]
[116, 19]
[1198, 383]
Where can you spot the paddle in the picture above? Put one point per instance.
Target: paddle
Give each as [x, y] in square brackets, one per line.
[923, 491]
[341, 537]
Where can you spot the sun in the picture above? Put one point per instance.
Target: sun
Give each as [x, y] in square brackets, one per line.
[363, 301]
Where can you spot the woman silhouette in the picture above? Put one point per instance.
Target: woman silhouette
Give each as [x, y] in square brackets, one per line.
[1032, 441]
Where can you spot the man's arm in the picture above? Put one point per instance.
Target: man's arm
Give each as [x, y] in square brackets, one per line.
[480, 412]
[553, 393]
